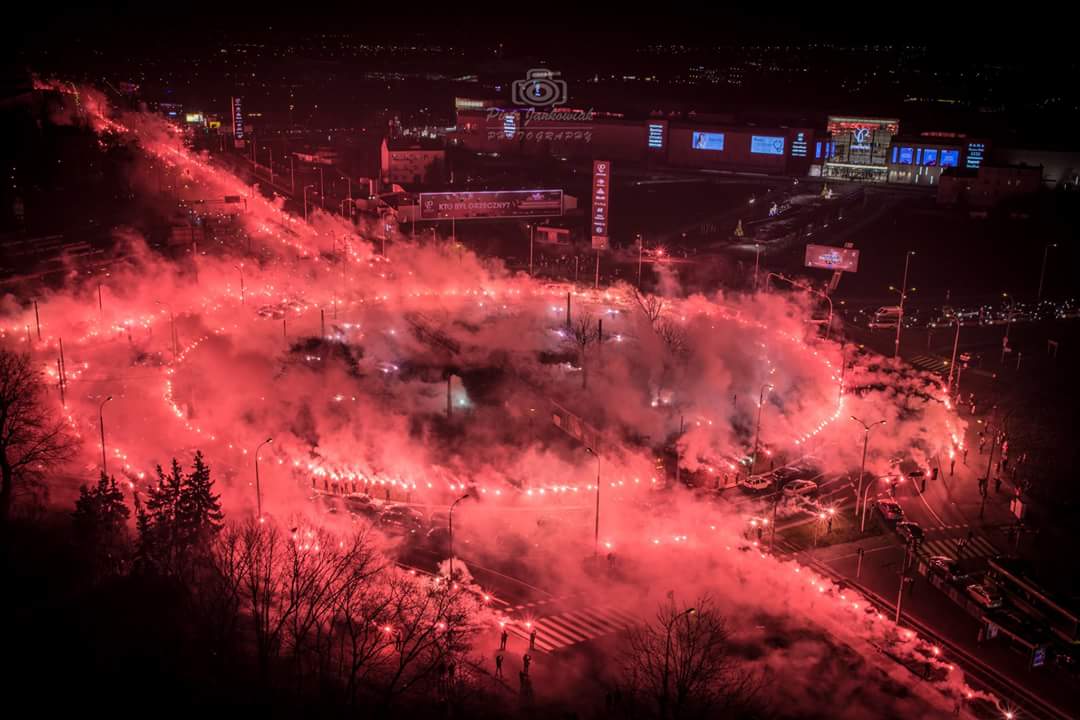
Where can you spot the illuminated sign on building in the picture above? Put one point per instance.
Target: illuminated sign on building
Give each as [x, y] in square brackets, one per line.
[491, 204]
[827, 257]
[766, 145]
[906, 155]
[950, 158]
[194, 118]
[509, 124]
[929, 157]
[656, 135]
[601, 199]
[860, 138]
[707, 141]
[237, 119]
[799, 146]
[975, 155]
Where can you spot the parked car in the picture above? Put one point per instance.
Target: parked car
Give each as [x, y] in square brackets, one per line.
[401, 520]
[756, 483]
[361, 505]
[890, 510]
[910, 532]
[944, 566]
[985, 596]
[799, 488]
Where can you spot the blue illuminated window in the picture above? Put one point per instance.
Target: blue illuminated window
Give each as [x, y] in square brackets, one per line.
[950, 158]
[817, 149]
[766, 145]
[707, 141]
[895, 151]
[918, 156]
[905, 155]
[929, 157]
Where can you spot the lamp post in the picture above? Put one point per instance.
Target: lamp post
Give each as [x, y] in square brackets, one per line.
[757, 431]
[101, 425]
[450, 521]
[172, 326]
[532, 234]
[903, 296]
[955, 345]
[1042, 275]
[757, 263]
[1008, 324]
[240, 267]
[258, 488]
[667, 659]
[862, 468]
[305, 201]
[596, 530]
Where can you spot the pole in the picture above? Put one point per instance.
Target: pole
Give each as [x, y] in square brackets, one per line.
[955, 345]
[449, 405]
[258, 487]
[640, 251]
[322, 189]
[63, 365]
[292, 176]
[596, 283]
[858, 564]
[567, 309]
[900, 597]
[596, 529]
[1042, 275]
[532, 233]
[101, 306]
[757, 263]
[678, 453]
[101, 425]
[37, 319]
[757, 431]
[862, 469]
[271, 164]
[60, 379]
[903, 295]
[450, 519]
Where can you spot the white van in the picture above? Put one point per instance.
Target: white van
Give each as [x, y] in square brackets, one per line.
[886, 317]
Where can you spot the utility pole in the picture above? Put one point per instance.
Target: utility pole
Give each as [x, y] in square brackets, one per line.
[903, 296]
[862, 468]
[640, 252]
[596, 284]
[1042, 275]
[596, 530]
[532, 233]
[757, 431]
[955, 345]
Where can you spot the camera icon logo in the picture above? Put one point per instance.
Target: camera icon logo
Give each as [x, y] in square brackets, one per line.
[540, 88]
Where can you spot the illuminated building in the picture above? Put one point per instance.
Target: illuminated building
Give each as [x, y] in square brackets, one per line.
[858, 148]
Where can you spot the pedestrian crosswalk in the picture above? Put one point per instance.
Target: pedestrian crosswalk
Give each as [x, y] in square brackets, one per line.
[959, 548]
[931, 363]
[572, 627]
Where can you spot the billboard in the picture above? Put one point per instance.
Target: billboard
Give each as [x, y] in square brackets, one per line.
[827, 257]
[601, 199]
[237, 119]
[490, 204]
[950, 158]
[707, 141]
[656, 136]
[766, 145]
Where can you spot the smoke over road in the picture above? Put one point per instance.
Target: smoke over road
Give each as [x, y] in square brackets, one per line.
[417, 376]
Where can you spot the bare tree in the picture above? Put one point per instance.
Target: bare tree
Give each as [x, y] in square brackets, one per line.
[32, 438]
[674, 338]
[651, 306]
[584, 330]
[680, 665]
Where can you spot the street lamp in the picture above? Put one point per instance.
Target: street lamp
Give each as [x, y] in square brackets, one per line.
[903, 296]
[955, 344]
[240, 267]
[450, 521]
[757, 432]
[862, 469]
[1042, 275]
[305, 200]
[807, 288]
[101, 424]
[596, 531]
[667, 657]
[1008, 323]
[258, 488]
[172, 325]
[532, 234]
